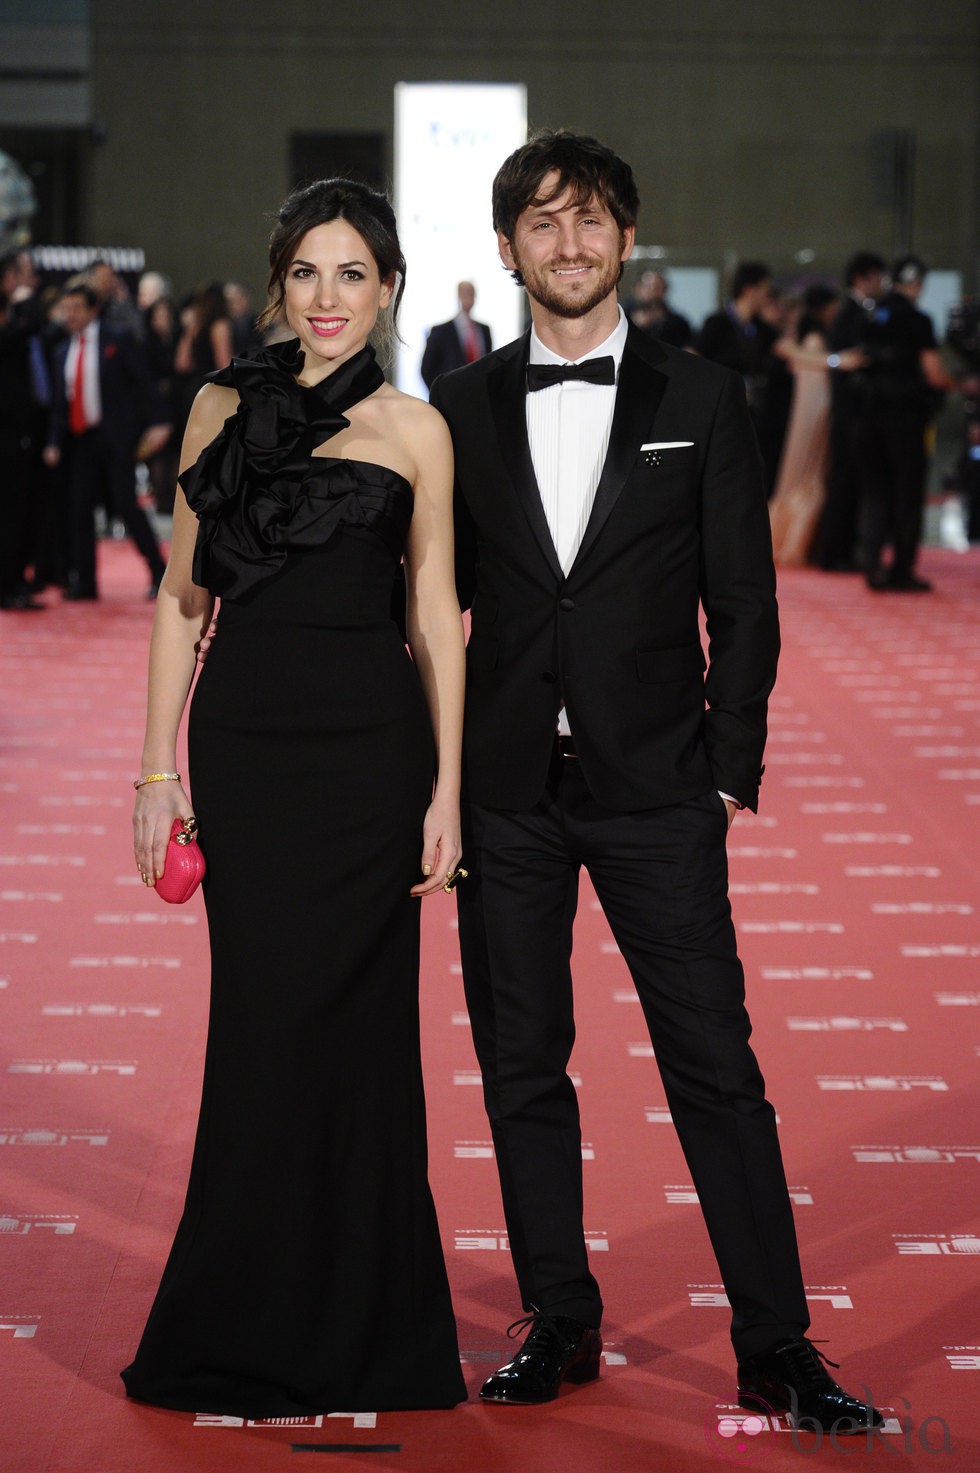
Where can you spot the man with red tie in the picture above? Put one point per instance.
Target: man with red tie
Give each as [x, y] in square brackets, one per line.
[455, 343]
[104, 400]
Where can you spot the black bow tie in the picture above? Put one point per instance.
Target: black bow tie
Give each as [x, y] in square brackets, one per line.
[592, 371]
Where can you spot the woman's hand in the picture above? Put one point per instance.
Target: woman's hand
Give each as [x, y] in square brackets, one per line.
[441, 845]
[157, 805]
[204, 643]
[851, 360]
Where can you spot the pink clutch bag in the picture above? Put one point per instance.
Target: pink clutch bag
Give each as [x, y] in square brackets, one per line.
[183, 868]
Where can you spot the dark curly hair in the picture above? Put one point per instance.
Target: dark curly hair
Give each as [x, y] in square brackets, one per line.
[581, 163]
[324, 200]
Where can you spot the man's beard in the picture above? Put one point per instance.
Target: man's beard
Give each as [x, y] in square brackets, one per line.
[541, 290]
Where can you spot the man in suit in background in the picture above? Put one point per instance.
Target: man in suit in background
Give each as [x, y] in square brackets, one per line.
[103, 401]
[606, 486]
[457, 342]
[838, 532]
[902, 391]
[740, 338]
[649, 310]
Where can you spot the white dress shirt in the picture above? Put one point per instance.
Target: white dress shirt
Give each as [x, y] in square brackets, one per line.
[568, 429]
[468, 336]
[91, 391]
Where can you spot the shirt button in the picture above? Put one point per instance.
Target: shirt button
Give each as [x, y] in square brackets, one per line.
[567, 604]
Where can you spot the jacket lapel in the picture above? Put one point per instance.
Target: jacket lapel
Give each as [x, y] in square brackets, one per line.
[639, 391]
[505, 387]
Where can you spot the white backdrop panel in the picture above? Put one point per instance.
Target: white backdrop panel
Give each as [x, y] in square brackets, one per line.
[450, 140]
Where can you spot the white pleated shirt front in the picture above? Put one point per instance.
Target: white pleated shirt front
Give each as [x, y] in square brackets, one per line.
[568, 429]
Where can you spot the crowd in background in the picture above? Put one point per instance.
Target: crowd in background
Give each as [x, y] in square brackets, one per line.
[80, 439]
[843, 385]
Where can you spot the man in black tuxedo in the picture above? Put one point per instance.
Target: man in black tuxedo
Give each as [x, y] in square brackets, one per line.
[460, 341]
[103, 401]
[606, 486]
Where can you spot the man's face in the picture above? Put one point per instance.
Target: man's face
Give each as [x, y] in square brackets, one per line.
[870, 285]
[467, 296]
[102, 280]
[756, 297]
[28, 275]
[150, 290]
[568, 254]
[76, 314]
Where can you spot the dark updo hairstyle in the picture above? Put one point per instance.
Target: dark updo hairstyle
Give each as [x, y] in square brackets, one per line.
[582, 164]
[315, 204]
[816, 299]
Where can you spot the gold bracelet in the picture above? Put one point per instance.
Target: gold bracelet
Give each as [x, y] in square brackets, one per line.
[157, 777]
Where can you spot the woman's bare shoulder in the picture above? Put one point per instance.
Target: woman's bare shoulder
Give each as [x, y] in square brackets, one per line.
[416, 420]
[212, 406]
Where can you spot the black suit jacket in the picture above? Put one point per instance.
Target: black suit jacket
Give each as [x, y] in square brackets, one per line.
[617, 640]
[444, 352]
[130, 400]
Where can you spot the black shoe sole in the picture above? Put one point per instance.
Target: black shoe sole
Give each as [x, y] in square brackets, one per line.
[754, 1403]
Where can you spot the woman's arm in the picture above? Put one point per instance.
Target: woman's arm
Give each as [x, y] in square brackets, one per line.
[184, 351]
[435, 636]
[221, 345]
[183, 612]
[812, 354]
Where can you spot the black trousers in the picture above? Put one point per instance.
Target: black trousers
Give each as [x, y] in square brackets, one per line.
[837, 533]
[661, 876]
[892, 465]
[98, 467]
[14, 469]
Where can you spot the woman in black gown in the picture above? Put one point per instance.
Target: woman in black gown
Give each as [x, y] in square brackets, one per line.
[307, 1273]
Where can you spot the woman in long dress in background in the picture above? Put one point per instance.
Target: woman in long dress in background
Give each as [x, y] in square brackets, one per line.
[801, 485]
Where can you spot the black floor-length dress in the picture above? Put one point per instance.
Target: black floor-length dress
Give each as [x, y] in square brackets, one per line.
[307, 1273]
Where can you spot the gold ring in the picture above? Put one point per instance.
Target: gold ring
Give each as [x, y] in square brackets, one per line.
[453, 877]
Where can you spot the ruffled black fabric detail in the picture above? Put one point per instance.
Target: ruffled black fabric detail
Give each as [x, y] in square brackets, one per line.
[258, 490]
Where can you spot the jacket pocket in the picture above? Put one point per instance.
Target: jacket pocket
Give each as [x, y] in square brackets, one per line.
[481, 652]
[680, 662]
[485, 608]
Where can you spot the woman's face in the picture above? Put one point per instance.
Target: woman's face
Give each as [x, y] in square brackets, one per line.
[333, 293]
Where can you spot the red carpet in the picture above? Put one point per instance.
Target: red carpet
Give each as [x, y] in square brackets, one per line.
[856, 899]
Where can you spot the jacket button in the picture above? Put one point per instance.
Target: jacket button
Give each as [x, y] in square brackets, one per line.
[549, 677]
[567, 604]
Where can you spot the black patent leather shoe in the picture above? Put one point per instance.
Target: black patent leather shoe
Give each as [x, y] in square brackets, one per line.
[792, 1378]
[556, 1349]
[911, 583]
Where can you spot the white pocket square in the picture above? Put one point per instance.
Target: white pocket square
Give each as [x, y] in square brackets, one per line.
[668, 445]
